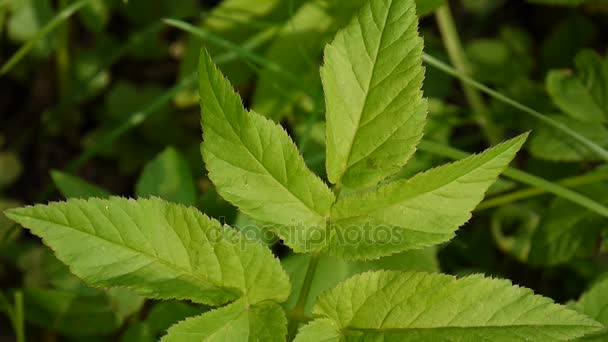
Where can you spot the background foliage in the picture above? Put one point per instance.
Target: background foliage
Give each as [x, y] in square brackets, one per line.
[99, 98]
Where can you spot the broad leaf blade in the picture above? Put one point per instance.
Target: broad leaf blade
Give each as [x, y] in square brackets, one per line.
[236, 322]
[255, 165]
[396, 306]
[372, 79]
[417, 212]
[158, 249]
[320, 330]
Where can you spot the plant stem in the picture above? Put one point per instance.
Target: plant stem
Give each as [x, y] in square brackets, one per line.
[536, 191]
[19, 324]
[15, 314]
[452, 43]
[59, 18]
[297, 314]
[63, 54]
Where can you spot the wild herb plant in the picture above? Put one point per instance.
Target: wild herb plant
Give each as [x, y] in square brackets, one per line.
[375, 116]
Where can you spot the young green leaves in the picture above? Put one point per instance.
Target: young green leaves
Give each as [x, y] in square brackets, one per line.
[395, 306]
[255, 165]
[375, 115]
[157, 249]
[417, 212]
[372, 79]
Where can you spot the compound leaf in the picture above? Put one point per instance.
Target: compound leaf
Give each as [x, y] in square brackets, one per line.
[417, 212]
[158, 249]
[372, 80]
[238, 321]
[255, 165]
[397, 306]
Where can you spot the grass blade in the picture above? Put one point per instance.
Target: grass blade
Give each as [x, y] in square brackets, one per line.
[434, 62]
[59, 18]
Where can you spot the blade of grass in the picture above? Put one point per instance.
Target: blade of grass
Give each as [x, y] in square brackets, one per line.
[57, 20]
[19, 319]
[62, 54]
[247, 54]
[451, 41]
[434, 62]
[15, 314]
[522, 177]
[531, 192]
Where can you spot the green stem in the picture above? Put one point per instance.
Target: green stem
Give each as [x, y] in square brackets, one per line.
[298, 314]
[536, 191]
[19, 318]
[451, 40]
[597, 149]
[15, 314]
[63, 54]
[523, 177]
[62, 16]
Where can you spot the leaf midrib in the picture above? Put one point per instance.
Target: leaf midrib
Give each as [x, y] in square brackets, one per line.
[437, 186]
[369, 84]
[471, 327]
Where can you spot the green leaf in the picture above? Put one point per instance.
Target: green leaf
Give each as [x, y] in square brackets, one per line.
[27, 18]
[70, 312]
[372, 79]
[164, 314]
[80, 311]
[594, 303]
[331, 271]
[168, 176]
[584, 96]
[74, 187]
[397, 306]
[552, 144]
[238, 321]
[95, 15]
[158, 249]
[320, 330]
[567, 230]
[252, 161]
[417, 212]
